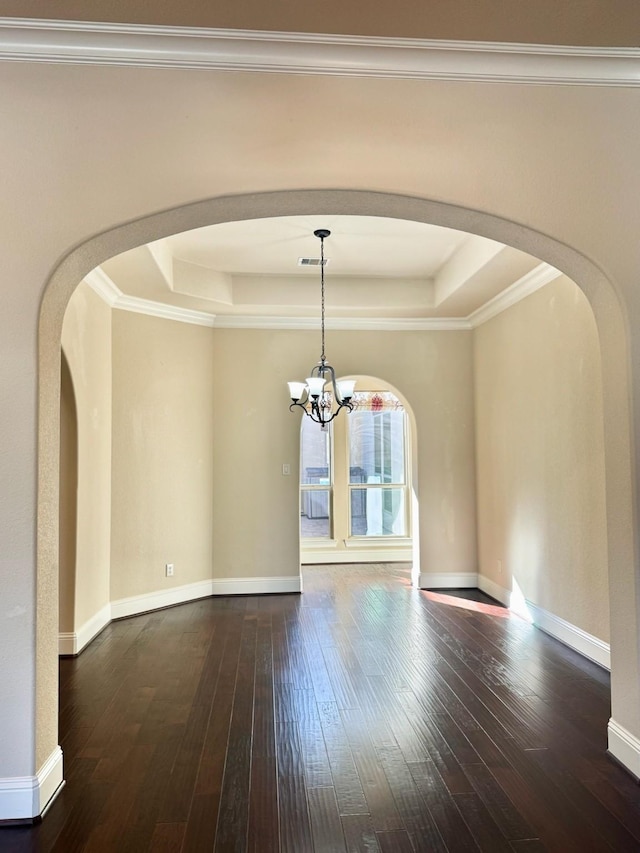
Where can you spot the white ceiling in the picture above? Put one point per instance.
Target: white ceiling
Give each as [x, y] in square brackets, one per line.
[361, 246]
[378, 267]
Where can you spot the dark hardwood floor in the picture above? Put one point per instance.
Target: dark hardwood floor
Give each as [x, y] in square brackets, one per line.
[363, 715]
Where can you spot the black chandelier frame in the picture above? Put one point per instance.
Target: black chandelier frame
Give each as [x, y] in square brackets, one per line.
[319, 407]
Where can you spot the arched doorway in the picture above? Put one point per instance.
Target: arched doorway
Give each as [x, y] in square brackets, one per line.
[618, 460]
[359, 481]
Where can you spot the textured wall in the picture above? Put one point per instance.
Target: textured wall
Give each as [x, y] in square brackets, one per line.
[103, 159]
[68, 512]
[86, 340]
[163, 438]
[256, 508]
[540, 455]
[201, 430]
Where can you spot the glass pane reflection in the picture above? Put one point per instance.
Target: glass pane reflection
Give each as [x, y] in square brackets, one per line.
[376, 445]
[315, 509]
[315, 454]
[377, 512]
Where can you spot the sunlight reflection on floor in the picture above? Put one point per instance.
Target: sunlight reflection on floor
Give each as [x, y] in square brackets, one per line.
[465, 604]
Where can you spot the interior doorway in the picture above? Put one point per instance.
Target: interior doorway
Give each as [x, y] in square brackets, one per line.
[356, 478]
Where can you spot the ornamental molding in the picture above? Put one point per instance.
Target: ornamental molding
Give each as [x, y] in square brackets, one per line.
[351, 324]
[523, 287]
[544, 273]
[135, 45]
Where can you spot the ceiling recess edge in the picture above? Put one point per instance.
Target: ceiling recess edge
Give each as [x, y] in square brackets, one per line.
[544, 273]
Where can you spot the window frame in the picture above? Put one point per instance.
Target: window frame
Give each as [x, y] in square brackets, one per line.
[403, 486]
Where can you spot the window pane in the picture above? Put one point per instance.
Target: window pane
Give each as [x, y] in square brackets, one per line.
[377, 512]
[315, 454]
[315, 513]
[376, 446]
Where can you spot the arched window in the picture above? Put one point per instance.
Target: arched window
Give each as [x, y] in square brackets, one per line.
[355, 482]
[377, 465]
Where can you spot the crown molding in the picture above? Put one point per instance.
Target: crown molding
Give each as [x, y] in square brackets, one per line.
[544, 273]
[351, 324]
[166, 312]
[104, 286]
[89, 43]
[523, 287]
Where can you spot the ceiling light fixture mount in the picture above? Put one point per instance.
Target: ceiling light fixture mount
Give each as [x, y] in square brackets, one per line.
[310, 395]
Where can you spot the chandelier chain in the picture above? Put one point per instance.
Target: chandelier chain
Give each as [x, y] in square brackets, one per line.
[322, 356]
[312, 397]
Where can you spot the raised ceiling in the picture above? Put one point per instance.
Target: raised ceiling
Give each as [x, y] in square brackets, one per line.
[377, 268]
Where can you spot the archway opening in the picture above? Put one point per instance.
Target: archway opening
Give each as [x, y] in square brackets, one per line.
[608, 317]
[359, 481]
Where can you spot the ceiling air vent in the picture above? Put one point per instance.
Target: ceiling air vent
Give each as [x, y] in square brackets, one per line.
[311, 262]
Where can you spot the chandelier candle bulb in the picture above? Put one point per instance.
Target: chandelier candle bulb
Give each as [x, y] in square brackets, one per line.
[345, 388]
[296, 390]
[315, 385]
[320, 405]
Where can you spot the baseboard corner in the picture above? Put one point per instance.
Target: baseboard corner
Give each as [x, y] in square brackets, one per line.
[624, 748]
[24, 799]
[494, 590]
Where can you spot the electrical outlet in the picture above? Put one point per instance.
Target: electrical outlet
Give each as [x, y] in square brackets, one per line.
[168, 570]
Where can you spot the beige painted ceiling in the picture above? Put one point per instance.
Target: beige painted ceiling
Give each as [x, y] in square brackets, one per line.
[377, 267]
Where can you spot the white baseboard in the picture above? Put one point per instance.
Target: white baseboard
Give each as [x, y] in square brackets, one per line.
[448, 580]
[379, 555]
[67, 643]
[360, 550]
[26, 797]
[202, 589]
[257, 586]
[624, 747]
[494, 590]
[580, 641]
[74, 643]
[93, 626]
[586, 644]
[136, 604]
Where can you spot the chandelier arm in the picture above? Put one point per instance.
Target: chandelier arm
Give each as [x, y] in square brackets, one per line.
[316, 413]
[334, 385]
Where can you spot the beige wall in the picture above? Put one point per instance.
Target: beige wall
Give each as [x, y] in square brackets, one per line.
[255, 524]
[540, 455]
[256, 508]
[68, 499]
[86, 340]
[84, 185]
[201, 429]
[163, 439]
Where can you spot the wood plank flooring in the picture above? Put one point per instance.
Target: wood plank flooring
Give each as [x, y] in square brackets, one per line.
[363, 715]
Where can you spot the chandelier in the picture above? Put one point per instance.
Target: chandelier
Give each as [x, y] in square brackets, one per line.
[311, 396]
